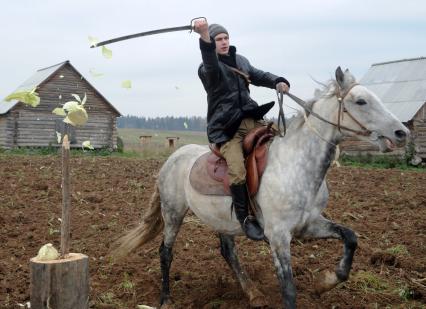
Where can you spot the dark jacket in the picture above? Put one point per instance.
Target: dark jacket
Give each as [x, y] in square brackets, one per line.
[228, 94]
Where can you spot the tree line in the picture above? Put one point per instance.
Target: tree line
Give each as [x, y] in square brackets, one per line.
[169, 123]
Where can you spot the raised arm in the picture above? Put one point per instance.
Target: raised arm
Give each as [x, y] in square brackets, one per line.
[209, 71]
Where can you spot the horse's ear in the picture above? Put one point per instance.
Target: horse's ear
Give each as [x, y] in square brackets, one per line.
[344, 79]
[340, 76]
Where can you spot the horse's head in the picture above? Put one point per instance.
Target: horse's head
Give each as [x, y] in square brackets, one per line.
[366, 117]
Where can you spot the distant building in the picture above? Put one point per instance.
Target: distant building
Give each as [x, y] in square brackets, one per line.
[25, 126]
[401, 85]
[171, 141]
[145, 139]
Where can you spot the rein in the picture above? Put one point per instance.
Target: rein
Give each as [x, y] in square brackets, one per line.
[281, 116]
[342, 110]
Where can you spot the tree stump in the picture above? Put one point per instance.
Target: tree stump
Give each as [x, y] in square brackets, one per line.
[61, 283]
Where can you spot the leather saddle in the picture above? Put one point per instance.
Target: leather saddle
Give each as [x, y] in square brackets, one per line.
[209, 174]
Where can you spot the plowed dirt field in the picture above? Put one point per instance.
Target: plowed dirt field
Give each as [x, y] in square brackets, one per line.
[386, 208]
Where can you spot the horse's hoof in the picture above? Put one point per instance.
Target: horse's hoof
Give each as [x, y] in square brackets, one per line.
[256, 298]
[167, 306]
[326, 281]
[259, 302]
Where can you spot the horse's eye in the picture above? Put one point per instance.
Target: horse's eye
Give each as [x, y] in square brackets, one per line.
[361, 102]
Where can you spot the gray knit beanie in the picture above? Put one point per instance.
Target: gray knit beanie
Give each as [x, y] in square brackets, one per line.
[215, 29]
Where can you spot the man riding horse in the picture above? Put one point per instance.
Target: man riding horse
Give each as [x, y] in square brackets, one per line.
[232, 113]
[293, 192]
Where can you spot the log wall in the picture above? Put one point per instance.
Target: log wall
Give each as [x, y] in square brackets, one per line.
[419, 132]
[7, 130]
[4, 132]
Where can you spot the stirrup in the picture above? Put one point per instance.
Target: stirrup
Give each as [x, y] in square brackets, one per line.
[250, 218]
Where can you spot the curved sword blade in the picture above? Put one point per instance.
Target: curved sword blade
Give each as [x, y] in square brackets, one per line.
[136, 35]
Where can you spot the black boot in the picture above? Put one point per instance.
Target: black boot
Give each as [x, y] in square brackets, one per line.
[248, 223]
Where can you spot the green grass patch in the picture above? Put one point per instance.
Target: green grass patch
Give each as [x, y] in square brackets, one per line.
[378, 161]
[127, 284]
[398, 250]
[216, 303]
[107, 298]
[156, 144]
[129, 145]
[131, 137]
[37, 151]
[405, 293]
[150, 153]
[369, 282]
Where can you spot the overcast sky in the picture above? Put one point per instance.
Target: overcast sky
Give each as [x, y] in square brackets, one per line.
[296, 39]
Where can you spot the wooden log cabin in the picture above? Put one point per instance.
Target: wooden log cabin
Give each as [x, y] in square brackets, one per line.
[401, 85]
[25, 126]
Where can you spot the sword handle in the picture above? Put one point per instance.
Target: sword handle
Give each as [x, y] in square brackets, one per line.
[192, 22]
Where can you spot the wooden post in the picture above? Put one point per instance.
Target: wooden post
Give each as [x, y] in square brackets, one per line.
[65, 223]
[62, 283]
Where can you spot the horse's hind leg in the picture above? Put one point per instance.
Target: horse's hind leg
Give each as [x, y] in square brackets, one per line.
[323, 228]
[227, 248]
[173, 216]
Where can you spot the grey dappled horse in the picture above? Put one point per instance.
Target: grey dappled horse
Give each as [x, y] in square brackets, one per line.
[292, 194]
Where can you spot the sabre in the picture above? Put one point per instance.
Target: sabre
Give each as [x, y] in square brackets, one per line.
[146, 33]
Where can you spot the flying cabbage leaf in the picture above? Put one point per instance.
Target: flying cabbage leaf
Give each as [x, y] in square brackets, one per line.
[27, 97]
[106, 52]
[126, 84]
[93, 41]
[59, 111]
[87, 144]
[77, 116]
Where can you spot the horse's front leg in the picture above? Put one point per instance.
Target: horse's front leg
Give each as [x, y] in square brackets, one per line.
[323, 228]
[280, 247]
[228, 251]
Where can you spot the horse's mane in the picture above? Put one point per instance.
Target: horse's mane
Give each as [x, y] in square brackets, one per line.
[328, 90]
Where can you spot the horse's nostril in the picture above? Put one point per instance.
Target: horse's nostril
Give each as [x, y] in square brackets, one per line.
[400, 134]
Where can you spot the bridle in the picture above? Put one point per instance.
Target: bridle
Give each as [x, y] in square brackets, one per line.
[342, 109]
